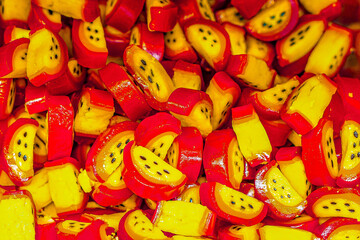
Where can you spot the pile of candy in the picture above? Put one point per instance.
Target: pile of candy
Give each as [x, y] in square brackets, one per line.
[179, 119]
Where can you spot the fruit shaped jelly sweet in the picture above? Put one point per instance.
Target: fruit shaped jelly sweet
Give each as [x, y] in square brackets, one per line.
[260, 49]
[210, 40]
[184, 218]
[64, 188]
[329, 9]
[307, 103]
[319, 156]
[250, 71]
[289, 160]
[51, 49]
[336, 228]
[177, 47]
[39, 189]
[7, 97]
[231, 205]
[269, 102]
[187, 75]
[235, 232]
[12, 33]
[237, 38]
[13, 58]
[71, 229]
[148, 176]
[282, 233]
[89, 43]
[193, 111]
[349, 173]
[133, 202]
[70, 82]
[161, 15]
[273, 188]
[59, 119]
[95, 109]
[277, 131]
[117, 9]
[44, 17]
[223, 161]
[329, 61]
[301, 40]
[135, 224]
[185, 153]
[190, 194]
[17, 153]
[334, 202]
[18, 217]
[87, 10]
[194, 9]
[157, 133]
[113, 191]
[124, 90]
[106, 154]
[231, 15]
[274, 22]
[152, 42]
[14, 13]
[150, 75]
[224, 93]
[304, 222]
[248, 9]
[248, 129]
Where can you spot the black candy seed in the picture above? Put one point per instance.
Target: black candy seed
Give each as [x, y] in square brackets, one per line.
[19, 142]
[325, 207]
[251, 206]
[232, 202]
[25, 157]
[118, 145]
[19, 154]
[113, 160]
[143, 158]
[166, 171]
[356, 134]
[274, 180]
[338, 210]
[143, 62]
[147, 166]
[25, 134]
[352, 156]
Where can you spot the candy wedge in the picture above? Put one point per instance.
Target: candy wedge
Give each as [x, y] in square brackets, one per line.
[86, 10]
[47, 56]
[149, 176]
[232, 205]
[307, 103]
[248, 129]
[273, 188]
[89, 43]
[223, 161]
[184, 218]
[210, 40]
[17, 154]
[193, 111]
